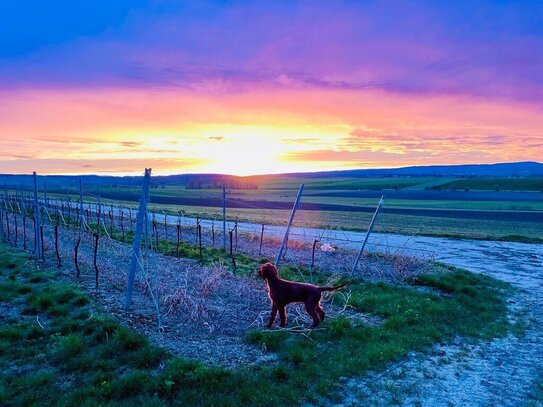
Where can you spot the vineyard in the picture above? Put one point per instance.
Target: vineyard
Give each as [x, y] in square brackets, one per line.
[183, 265]
[189, 284]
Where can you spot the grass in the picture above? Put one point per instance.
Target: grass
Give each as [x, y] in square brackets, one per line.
[78, 356]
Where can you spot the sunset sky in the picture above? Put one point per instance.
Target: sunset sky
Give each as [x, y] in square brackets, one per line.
[247, 87]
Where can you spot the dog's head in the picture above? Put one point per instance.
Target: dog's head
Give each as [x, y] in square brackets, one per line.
[267, 270]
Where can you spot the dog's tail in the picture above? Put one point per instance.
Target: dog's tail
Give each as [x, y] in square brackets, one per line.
[337, 287]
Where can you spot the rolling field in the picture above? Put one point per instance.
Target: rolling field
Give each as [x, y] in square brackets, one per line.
[466, 208]
[493, 184]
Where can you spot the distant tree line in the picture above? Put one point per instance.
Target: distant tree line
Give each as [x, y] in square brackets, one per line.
[199, 184]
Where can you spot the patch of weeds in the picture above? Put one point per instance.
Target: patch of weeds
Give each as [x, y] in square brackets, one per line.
[70, 346]
[129, 340]
[36, 388]
[269, 340]
[147, 357]
[10, 290]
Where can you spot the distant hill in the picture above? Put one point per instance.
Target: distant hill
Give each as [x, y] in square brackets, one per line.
[519, 169]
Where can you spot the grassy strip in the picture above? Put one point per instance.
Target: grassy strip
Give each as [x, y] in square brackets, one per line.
[496, 184]
[75, 356]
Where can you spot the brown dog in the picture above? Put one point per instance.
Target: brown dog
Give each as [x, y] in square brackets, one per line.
[283, 292]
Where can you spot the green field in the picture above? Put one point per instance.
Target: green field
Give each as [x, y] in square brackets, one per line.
[496, 184]
[423, 205]
[394, 183]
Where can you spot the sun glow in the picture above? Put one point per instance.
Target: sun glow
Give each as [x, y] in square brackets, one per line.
[121, 132]
[248, 150]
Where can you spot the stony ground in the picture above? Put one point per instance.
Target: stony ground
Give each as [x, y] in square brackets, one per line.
[501, 372]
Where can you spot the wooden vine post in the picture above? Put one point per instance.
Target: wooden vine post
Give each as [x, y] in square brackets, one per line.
[56, 245]
[313, 252]
[122, 224]
[236, 233]
[200, 242]
[213, 232]
[16, 229]
[178, 238]
[37, 223]
[261, 239]
[24, 231]
[7, 226]
[230, 234]
[96, 237]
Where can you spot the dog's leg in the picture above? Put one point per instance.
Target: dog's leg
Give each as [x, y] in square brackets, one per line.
[272, 316]
[283, 316]
[310, 309]
[320, 311]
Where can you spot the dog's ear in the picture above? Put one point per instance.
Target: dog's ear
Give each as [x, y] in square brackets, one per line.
[267, 270]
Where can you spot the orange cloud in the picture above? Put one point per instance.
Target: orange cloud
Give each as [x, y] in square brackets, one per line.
[259, 131]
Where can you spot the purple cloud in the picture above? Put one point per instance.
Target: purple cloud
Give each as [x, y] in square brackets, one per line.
[485, 49]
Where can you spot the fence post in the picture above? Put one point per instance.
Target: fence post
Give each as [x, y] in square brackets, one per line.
[137, 238]
[224, 218]
[379, 205]
[298, 197]
[313, 252]
[122, 223]
[213, 232]
[261, 239]
[94, 260]
[24, 231]
[81, 210]
[200, 242]
[178, 237]
[37, 234]
[98, 212]
[2, 218]
[56, 245]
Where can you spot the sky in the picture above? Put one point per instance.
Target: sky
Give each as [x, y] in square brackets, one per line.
[252, 87]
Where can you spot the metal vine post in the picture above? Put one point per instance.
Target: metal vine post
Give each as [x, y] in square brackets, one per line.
[141, 217]
[379, 205]
[289, 225]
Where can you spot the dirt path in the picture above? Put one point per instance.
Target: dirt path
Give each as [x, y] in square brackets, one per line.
[493, 373]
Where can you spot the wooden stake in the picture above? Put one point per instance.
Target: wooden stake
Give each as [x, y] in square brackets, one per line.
[96, 237]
